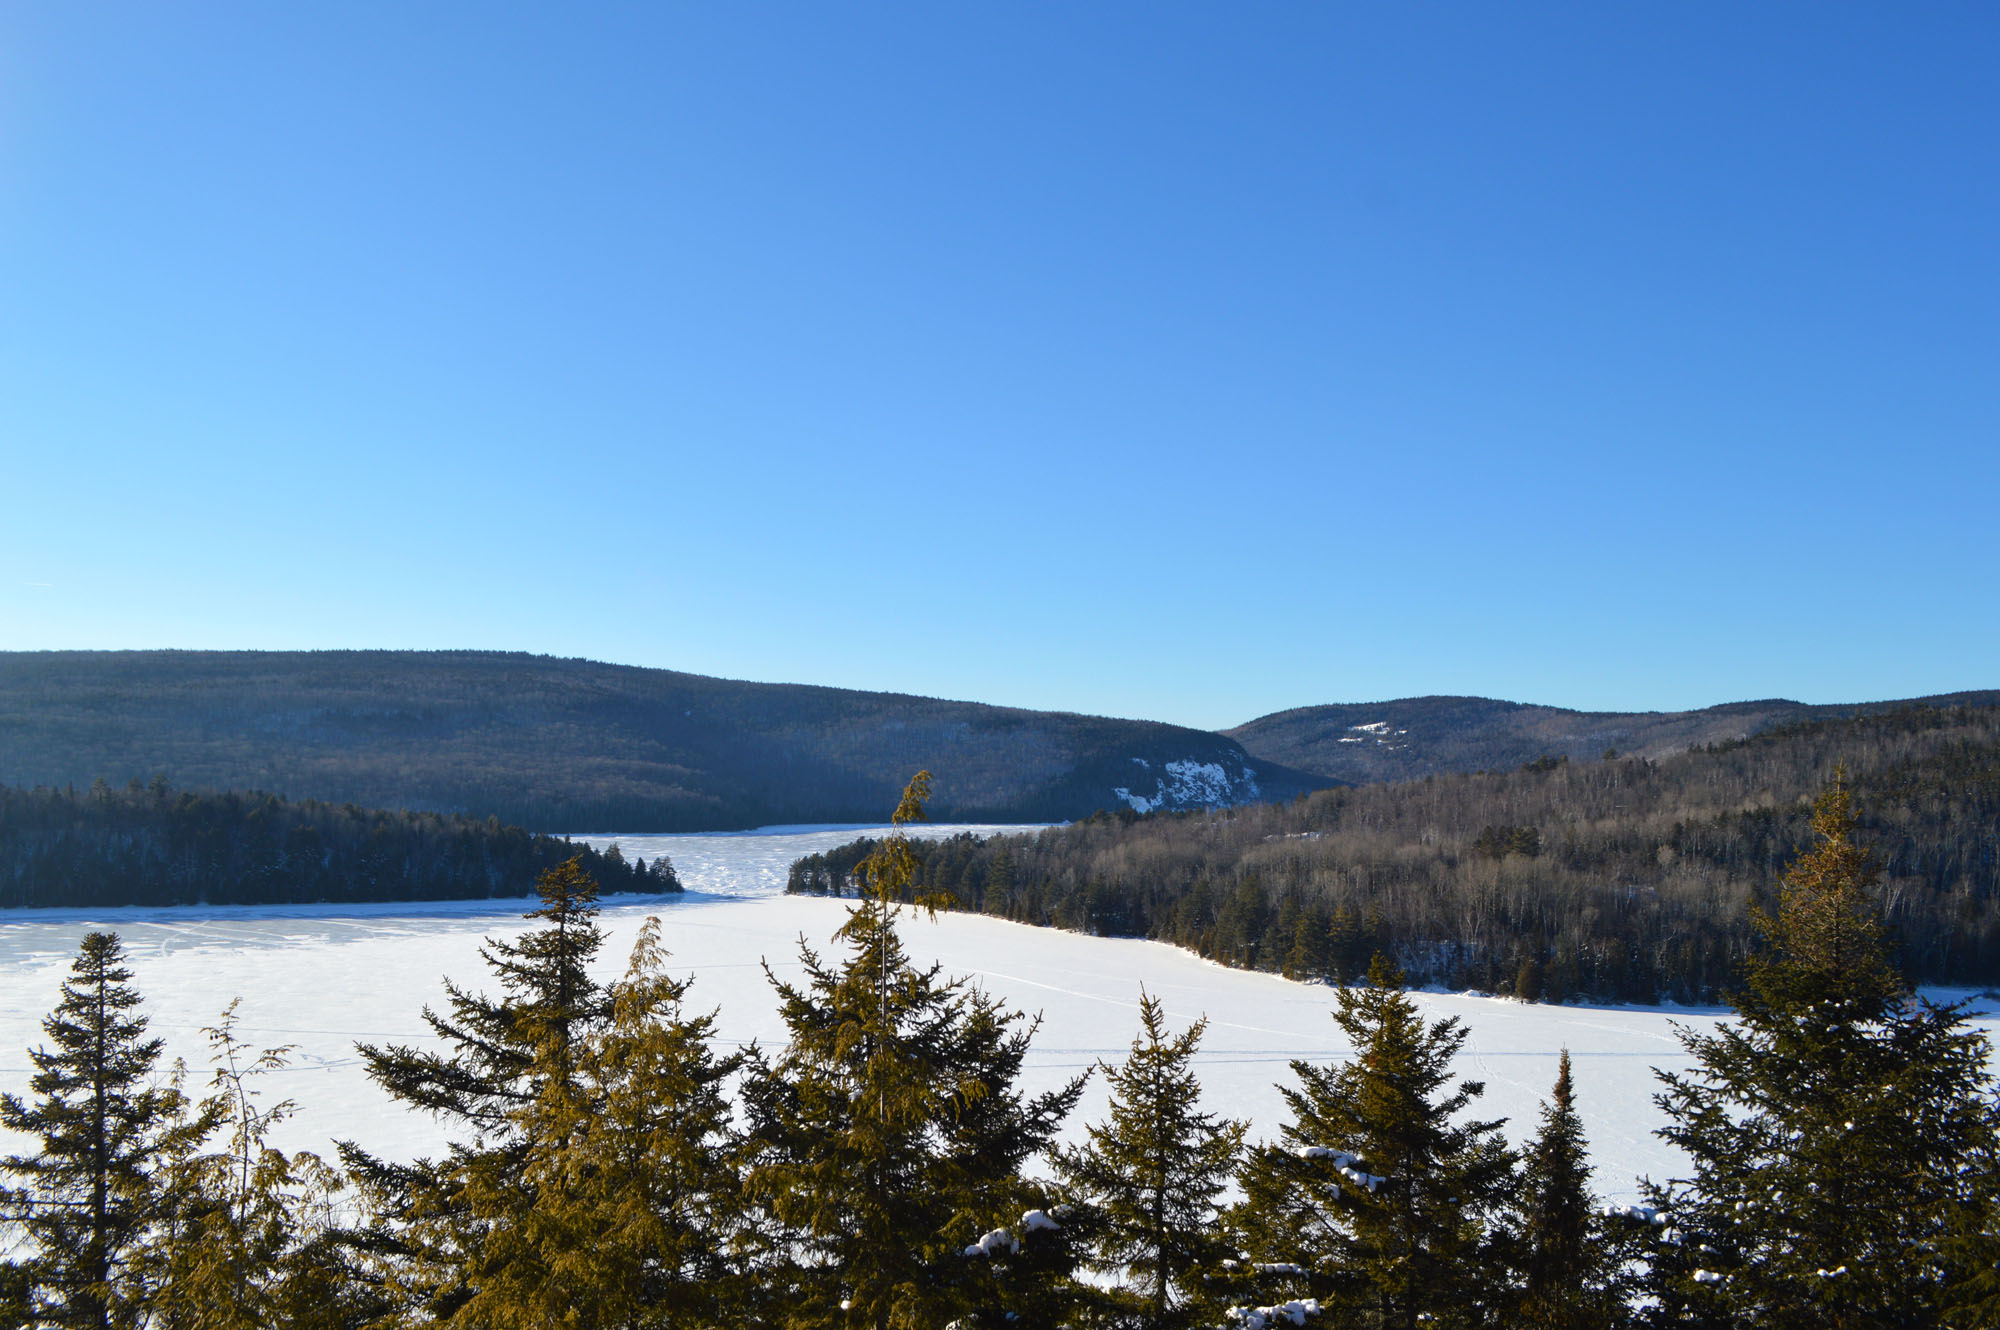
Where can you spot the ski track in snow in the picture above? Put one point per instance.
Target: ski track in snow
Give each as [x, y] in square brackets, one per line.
[322, 977]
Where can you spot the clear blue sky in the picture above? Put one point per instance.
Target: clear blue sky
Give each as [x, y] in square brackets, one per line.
[1180, 361]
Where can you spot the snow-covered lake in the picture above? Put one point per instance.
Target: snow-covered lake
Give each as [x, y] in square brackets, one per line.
[322, 977]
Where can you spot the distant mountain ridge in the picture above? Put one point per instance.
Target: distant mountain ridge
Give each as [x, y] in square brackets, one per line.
[1413, 737]
[575, 745]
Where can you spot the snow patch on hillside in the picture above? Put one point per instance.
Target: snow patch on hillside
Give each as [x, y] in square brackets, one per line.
[1191, 784]
[1381, 731]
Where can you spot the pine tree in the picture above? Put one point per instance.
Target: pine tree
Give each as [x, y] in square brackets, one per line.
[505, 1056]
[1376, 1199]
[888, 1139]
[1148, 1178]
[87, 1199]
[1837, 1129]
[1572, 1262]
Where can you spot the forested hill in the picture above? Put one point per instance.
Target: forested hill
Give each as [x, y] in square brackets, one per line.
[1414, 737]
[1625, 879]
[155, 845]
[573, 745]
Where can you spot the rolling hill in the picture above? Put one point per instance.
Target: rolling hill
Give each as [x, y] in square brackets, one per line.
[574, 745]
[1413, 737]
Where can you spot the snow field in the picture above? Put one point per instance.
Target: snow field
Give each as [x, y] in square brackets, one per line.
[321, 978]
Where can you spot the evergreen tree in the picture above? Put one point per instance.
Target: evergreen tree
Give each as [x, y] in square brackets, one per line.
[1572, 1265]
[1148, 1178]
[626, 1211]
[1305, 957]
[14, 1305]
[504, 1056]
[1837, 1129]
[1345, 956]
[86, 1199]
[1971, 1250]
[1376, 1200]
[246, 1235]
[999, 890]
[888, 1138]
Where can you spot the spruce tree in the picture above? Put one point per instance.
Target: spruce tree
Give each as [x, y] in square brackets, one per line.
[888, 1138]
[504, 1055]
[86, 1200]
[1148, 1178]
[1305, 957]
[1376, 1199]
[626, 1213]
[1971, 1250]
[1572, 1255]
[1345, 951]
[1838, 1130]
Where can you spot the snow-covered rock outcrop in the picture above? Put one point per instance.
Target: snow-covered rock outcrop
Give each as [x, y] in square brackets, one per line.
[1189, 783]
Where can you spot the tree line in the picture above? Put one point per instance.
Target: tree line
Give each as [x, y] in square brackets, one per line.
[1622, 879]
[614, 1166]
[151, 844]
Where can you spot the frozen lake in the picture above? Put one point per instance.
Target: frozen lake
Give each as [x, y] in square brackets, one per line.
[322, 977]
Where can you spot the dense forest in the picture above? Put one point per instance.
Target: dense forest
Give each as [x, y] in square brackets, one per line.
[614, 1165]
[156, 845]
[578, 746]
[1623, 878]
[1414, 737]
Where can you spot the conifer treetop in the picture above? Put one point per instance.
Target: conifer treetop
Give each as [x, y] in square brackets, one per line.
[105, 1125]
[1150, 1175]
[1827, 954]
[885, 875]
[1828, 1127]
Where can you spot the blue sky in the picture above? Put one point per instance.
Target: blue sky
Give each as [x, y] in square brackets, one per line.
[1177, 361]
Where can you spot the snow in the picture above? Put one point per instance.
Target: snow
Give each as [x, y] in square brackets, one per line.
[999, 1241]
[1264, 1318]
[1347, 1164]
[322, 977]
[1002, 1240]
[756, 863]
[1191, 784]
[1381, 731]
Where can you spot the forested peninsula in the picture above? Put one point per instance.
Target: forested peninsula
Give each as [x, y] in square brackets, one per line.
[155, 845]
[1620, 879]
